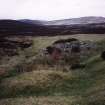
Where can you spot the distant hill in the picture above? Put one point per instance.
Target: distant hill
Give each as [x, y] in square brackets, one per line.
[72, 21]
[15, 27]
[82, 20]
[84, 25]
[38, 22]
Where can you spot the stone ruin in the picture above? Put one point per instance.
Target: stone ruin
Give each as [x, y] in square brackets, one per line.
[69, 48]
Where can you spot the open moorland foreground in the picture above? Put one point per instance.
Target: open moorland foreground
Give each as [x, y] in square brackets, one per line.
[33, 77]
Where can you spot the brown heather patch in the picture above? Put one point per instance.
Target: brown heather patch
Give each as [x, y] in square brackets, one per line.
[35, 81]
[49, 100]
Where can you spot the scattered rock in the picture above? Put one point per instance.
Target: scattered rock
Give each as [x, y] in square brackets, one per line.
[103, 55]
[65, 40]
[77, 66]
[3, 71]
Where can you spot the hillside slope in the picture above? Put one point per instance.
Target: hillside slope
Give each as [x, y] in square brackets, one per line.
[83, 86]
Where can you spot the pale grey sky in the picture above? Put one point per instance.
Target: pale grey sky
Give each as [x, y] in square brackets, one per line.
[50, 9]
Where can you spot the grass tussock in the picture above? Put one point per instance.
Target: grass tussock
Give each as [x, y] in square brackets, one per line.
[44, 83]
[49, 100]
[34, 82]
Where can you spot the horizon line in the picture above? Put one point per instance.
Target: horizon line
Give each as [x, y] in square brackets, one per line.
[50, 19]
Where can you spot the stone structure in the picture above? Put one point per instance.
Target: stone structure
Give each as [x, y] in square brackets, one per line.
[70, 49]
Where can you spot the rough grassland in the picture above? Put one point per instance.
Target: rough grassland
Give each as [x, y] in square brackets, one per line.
[40, 42]
[84, 86]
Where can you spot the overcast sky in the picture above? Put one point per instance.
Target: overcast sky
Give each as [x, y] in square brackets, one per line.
[50, 9]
